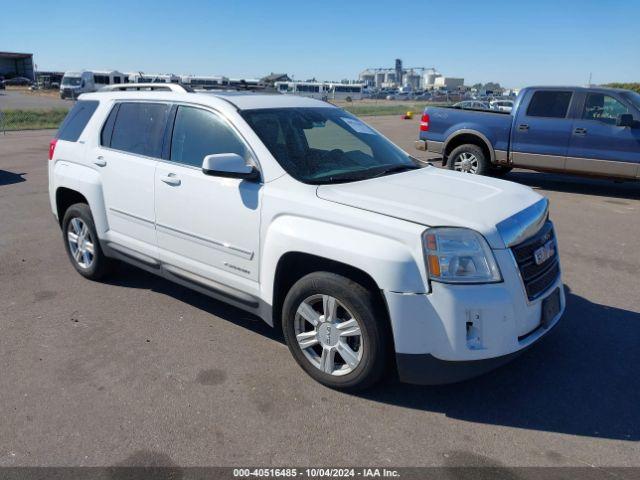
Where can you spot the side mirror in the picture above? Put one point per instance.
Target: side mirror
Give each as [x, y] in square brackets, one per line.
[624, 120]
[229, 165]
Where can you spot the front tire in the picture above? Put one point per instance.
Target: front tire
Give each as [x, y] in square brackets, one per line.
[335, 332]
[469, 158]
[82, 243]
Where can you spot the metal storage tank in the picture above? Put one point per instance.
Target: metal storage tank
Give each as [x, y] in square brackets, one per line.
[430, 78]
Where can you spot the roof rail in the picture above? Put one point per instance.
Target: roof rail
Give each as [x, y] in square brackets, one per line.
[120, 87]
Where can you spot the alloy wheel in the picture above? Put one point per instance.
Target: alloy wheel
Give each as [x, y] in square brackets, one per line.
[466, 162]
[80, 242]
[328, 335]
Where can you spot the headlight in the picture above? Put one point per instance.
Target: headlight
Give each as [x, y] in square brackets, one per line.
[459, 255]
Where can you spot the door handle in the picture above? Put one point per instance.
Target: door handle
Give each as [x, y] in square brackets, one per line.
[100, 161]
[580, 131]
[171, 179]
[523, 127]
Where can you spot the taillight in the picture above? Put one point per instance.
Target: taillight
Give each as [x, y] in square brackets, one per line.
[52, 147]
[424, 122]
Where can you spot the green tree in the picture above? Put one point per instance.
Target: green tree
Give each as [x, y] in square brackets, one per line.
[628, 86]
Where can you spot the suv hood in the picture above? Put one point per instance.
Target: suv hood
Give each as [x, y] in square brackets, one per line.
[436, 197]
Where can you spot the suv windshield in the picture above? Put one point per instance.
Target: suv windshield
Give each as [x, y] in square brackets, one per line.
[633, 97]
[326, 145]
[71, 81]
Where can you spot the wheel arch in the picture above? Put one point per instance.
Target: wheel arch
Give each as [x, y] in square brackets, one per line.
[468, 136]
[294, 265]
[294, 246]
[79, 184]
[65, 197]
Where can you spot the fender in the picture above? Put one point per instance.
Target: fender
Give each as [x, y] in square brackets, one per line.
[478, 134]
[389, 262]
[86, 181]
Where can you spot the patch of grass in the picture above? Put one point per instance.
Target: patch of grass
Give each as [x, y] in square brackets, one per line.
[372, 109]
[31, 119]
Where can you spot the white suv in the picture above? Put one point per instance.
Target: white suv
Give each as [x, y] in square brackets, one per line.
[299, 212]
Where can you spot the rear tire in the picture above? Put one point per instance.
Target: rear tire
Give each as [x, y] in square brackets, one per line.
[335, 332]
[82, 243]
[469, 158]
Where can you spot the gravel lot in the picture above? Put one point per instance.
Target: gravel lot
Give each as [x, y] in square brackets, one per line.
[137, 370]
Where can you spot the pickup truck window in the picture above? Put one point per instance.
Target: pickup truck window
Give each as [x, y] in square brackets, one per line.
[549, 103]
[633, 97]
[603, 108]
[198, 133]
[325, 145]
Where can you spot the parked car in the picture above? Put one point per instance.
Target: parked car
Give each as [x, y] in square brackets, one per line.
[2, 87]
[472, 105]
[423, 96]
[18, 82]
[588, 131]
[502, 105]
[297, 211]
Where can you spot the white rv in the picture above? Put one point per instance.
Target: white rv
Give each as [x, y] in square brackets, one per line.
[140, 77]
[199, 82]
[75, 83]
[321, 90]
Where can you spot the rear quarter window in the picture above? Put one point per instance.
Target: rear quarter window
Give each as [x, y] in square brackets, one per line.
[76, 120]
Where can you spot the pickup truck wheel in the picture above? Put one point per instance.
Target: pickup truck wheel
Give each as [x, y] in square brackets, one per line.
[82, 244]
[469, 158]
[330, 326]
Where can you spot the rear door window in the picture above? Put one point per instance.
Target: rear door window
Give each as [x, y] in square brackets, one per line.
[139, 128]
[76, 120]
[550, 104]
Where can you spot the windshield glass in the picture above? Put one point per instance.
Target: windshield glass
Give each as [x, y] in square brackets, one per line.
[71, 81]
[326, 145]
[633, 97]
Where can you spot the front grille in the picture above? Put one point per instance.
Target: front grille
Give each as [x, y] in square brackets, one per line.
[537, 278]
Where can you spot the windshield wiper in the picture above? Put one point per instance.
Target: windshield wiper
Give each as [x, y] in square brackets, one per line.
[338, 179]
[395, 169]
[364, 174]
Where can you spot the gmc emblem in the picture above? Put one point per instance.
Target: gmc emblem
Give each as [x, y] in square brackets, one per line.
[545, 252]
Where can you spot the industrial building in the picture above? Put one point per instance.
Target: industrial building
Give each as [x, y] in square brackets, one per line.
[448, 83]
[410, 78]
[17, 65]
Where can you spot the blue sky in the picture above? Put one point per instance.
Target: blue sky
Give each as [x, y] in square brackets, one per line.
[514, 42]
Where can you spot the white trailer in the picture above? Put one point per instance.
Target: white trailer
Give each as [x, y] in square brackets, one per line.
[321, 90]
[141, 77]
[85, 81]
[204, 82]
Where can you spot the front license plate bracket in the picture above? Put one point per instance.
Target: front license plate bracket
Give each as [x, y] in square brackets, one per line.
[550, 308]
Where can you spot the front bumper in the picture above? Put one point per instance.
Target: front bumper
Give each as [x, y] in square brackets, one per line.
[434, 343]
[425, 369]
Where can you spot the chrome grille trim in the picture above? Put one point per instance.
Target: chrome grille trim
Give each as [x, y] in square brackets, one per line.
[524, 224]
